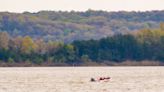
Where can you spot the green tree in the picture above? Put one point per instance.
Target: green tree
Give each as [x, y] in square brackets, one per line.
[10, 60]
[85, 58]
[38, 60]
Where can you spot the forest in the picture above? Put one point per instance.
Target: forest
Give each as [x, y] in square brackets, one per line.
[49, 38]
[145, 44]
[69, 26]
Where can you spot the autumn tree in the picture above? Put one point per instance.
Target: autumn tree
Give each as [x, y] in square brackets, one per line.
[54, 46]
[27, 45]
[4, 40]
[41, 46]
[15, 43]
[149, 35]
[162, 26]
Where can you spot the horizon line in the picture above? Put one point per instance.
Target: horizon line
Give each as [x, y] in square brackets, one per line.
[82, 11]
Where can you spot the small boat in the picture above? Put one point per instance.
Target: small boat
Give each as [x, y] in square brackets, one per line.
[105, 79]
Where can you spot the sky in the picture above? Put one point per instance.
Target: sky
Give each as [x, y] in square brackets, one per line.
[80, 5]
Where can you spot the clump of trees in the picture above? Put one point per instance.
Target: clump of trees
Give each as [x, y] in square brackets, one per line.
[146, 44]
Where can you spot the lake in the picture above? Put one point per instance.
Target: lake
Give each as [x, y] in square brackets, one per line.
[77, 79]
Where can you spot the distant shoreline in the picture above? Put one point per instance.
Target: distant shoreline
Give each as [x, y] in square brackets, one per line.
[89, 64]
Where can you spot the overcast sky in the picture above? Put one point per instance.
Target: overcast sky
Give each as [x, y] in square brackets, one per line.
[80, 5]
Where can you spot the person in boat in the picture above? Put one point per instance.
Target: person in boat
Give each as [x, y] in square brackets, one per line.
[100, 79]
[104, 78]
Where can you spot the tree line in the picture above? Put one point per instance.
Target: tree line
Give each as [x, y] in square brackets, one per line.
[69, 26]
[146, 44]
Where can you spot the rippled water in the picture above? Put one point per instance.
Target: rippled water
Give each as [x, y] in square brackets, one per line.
[77, 79]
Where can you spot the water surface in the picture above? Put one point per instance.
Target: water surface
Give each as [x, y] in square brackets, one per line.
[77, 79]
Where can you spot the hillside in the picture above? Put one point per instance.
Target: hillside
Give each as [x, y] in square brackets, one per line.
[70, 26]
